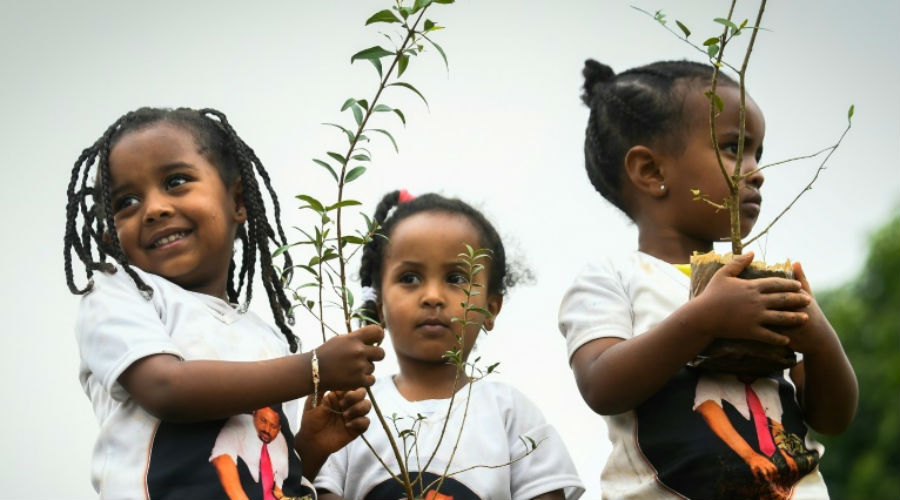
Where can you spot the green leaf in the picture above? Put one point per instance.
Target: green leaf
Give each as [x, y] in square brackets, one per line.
[402, 64]
[400, 114]
[283, 248]
[410, 87]
[389, 136]
[340, 159]
[850, 112]
[312, 203]
[382, 16]
[354, 173]
[327, 167]
[364, 103]
[372, 53]
[444, 2]
[429, 25]
[419, 5]
[361, 157]
[684, 28]
[439, 49]
[726, 22]
[357, 113]
[480, 310]
[712, 50]
[382, 108]
[356, 240]
[711, 41]
[349, 102]
[343, 129]
[716, 100]
[343, 203]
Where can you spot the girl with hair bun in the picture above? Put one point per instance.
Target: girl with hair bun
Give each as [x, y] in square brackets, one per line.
[678, 431]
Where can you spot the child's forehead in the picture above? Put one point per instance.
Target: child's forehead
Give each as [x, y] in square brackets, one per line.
[432, 233]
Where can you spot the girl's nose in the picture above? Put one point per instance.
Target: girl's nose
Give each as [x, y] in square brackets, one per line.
[753, 175]
[156, 207]
[432, 296]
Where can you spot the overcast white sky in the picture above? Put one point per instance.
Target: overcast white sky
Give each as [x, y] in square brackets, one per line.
[504, 131]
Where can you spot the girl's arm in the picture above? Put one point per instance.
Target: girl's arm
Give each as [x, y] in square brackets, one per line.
[185, 391]
[826, 383]
[615, 375]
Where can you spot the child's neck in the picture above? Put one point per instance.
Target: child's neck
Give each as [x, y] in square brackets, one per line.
[421, 381]
[674, 249]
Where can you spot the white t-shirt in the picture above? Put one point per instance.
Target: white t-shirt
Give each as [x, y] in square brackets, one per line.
[498, 415]
[624, 296]
[136, 455]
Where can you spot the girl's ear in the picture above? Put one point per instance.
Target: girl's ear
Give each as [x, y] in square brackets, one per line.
[643, 167]
[237, 195]
[494, 304]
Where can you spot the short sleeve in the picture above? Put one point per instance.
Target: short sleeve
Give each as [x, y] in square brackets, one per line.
[548, 467]
[117, 326]
[333, 474]
[595, 306]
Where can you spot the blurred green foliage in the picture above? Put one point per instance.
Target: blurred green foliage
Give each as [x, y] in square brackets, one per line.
[864, 461]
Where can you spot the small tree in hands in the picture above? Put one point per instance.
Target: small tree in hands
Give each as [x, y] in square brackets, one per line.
[331, 246]
[738, 355]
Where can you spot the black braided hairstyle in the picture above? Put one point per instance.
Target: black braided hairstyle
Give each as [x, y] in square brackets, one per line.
[643, 105]
[373, 252]
[217, 141]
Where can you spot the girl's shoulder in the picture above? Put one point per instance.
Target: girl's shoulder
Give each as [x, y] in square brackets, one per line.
[506, 396]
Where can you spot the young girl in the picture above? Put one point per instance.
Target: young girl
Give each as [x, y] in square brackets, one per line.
[195, 395]
[412, 276]
[678, 432]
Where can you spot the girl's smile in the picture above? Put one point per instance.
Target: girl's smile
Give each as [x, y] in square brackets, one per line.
[174, 215]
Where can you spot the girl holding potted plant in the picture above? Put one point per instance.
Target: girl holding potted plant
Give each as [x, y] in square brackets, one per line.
[682, 431]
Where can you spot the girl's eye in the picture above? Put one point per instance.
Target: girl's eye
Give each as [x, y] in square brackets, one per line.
[457, 279]
[176, 180]
[731, 147]
[409, 279]
[124, 202]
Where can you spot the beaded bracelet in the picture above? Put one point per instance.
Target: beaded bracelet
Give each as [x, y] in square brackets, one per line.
[315, 378]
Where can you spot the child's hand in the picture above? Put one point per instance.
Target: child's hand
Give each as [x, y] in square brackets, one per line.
[806, 337]
[328, 427]
[740, 308]
[339, 419]
[347, 361]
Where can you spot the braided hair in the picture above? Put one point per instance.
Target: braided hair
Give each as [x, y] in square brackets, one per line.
[89, 206]
[393, 208]
[642, 105]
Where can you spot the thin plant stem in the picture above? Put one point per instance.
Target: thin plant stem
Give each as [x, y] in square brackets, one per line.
[804, 190]
[340, 247]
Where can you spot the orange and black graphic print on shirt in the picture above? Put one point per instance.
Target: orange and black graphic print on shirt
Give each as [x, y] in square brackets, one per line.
[450, 489]
[244, 456]
[724, 436]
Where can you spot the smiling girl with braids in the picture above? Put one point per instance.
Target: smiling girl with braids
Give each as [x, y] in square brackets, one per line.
[196, 396]
[678, 431]
[414, 284]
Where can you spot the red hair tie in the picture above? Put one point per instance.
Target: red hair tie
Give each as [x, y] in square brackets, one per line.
[405, 196]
